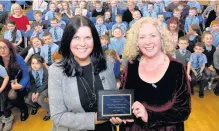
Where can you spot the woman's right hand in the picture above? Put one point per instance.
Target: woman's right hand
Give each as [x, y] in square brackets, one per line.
[118, 121]
[96, 121]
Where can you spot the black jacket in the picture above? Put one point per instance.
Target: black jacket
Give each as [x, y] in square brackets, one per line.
[209, 56]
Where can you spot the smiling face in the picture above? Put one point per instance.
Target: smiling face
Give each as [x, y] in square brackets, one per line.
[136, 15]
[173, 26]
[208, 39]
[117, 33]
[10, 27]
[17, 10]
[82, 44]
[36, 43]
[149, 40]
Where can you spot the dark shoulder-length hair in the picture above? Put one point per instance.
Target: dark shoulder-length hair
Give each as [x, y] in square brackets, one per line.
[12, 65]
[68, 63]
[173, 20]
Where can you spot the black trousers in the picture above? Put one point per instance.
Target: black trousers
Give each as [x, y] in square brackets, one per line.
[202, 82]
[19, 101]
[6, 113]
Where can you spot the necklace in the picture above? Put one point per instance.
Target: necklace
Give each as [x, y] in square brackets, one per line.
[93, 98]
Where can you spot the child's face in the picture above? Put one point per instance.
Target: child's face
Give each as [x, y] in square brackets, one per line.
[183, 44]
[59, 6]
[47, 40]
[10, 27]
[177, 14]
[191, 31]
[118, 20]
[77, 11]
[215, 27]
[38, 28]
[150, 7]
[136, 15]
[113, 3]
[192, 12]
[99, 21]
[208, 39]
[161, 18]
[104, 41]
[1, 7]
[52, 7]
[98, 6]
[53, 23]
[107, 14]
[117, 33]
[64, 6]
[35, 65]
[212, 3]
[181, 7]
[198, 49]
[36, 43]
[82, 5]
[38, 17]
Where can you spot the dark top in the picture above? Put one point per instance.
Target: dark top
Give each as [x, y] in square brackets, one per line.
[3, 16]
[84, 98]
[95, 13]
[127, 16]
[44, 85]
[212, 16]
[193, 42]
[209, 55]
[168, 105]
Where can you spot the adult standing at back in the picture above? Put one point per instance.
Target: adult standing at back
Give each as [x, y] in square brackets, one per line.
[75, 80]
[20, 20]
[127, 15]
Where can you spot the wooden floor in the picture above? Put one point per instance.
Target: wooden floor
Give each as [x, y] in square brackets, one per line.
[204, 116]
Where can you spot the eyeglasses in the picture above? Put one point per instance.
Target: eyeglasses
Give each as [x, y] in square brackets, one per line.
[3, 48]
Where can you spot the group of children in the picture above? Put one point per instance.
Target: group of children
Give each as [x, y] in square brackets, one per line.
[195, 50]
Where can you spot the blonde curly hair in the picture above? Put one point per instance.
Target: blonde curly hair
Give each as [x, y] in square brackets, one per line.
[131, 50]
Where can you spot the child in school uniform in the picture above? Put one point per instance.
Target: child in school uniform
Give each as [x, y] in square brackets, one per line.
[191, 19]
[107, 17]
[216, 66]
[194, 35]
[51, 13]
[159, 6]
[13, 35]
[39, 86]
[38, 18]
[101, 28]
[214, 28]
[60, 23]
[119, 24]
[118, 41]
[114, 9]
[104, 39]
[182, 54]
[56, 31]
[161, 18]
[195, 4]
[196, 65]
[48, 49]
[66, 11]
[38, 31]
[6, 118]
[98, 9]
[209, 50]
[136, 15]
[36, 44]
[150, 12]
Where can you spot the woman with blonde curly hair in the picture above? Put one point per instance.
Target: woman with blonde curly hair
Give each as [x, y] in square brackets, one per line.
[21, 21]
[162, 91]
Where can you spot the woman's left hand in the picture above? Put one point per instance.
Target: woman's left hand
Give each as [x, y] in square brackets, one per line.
[140, 111]
[15, 85]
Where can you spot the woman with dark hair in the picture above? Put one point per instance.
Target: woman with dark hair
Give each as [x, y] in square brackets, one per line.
[18, 76]
[75, 80]
[173, 28]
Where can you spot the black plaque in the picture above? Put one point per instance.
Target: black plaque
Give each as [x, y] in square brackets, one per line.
[115, 103]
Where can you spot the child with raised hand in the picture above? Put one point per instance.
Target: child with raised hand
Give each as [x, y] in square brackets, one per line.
[66, 11]
[209, 50]
[39, 86]
[36, 43]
